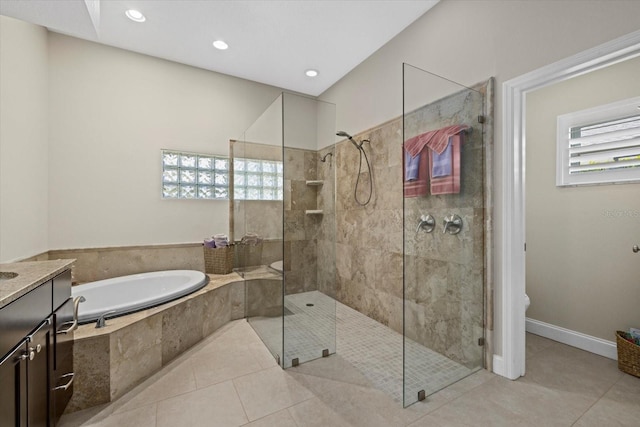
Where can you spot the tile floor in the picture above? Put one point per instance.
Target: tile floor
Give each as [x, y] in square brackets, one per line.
[230, 379]
[372, 348]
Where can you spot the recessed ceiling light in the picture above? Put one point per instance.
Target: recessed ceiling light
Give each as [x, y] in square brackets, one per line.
[311, 73]
[135, 15]
[219, 44]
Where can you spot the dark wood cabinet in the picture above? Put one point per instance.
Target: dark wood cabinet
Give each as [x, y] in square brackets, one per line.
[36, 355]
[13, 387]
[38, 375]
[62, 369]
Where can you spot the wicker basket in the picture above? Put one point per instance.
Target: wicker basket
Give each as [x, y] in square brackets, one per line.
[218, 260]
[628, 355]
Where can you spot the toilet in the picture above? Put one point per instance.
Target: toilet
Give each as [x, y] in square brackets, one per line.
[527, 302]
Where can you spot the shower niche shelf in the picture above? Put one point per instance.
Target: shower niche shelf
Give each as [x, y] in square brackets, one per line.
[315, 182]
[313, 212]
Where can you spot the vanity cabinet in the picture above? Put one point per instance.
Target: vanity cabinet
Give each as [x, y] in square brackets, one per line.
[36, 355]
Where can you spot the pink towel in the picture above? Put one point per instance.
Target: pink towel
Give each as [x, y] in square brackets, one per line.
[448, 184]
[437, 141]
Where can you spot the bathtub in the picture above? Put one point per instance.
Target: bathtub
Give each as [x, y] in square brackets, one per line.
[123, 295]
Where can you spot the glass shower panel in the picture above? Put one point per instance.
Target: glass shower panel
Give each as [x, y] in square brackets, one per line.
[309, 230]
[256, 217]
[444, 210]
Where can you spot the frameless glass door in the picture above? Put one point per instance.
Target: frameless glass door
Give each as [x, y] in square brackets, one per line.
[256, 217]
[283, 222]
[444, 231]
[309, 230]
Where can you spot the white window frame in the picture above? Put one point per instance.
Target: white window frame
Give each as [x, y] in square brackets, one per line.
[600, 114]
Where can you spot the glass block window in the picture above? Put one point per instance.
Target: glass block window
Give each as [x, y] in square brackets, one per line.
[257, 179]
[194, 176]
[205, 176]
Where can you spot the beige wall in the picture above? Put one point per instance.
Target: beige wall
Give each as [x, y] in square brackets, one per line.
[111, 111]
[23, 140]
[581, 272]
[469, 41]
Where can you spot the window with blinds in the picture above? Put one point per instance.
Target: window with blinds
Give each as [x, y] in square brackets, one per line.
[599, 145]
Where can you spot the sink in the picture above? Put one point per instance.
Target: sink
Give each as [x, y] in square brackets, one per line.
[7, 275]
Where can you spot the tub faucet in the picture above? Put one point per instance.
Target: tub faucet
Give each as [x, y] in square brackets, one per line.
[101, 322]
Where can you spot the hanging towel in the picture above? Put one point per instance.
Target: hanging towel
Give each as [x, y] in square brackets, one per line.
[441, 163]
[447, 184]
[412, 165]
[437, 141]
[420, 185]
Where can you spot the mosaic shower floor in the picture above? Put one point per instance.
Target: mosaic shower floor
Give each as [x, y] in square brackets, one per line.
[375, 350]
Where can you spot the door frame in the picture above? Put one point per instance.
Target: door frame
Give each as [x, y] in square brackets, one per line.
[514, 92]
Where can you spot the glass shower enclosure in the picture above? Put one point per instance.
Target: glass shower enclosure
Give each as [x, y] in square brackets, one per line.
[445, 217]
[282, 220]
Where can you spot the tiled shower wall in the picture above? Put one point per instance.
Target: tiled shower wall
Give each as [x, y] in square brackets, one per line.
[369, 238]
[302, 231]
[444, 273]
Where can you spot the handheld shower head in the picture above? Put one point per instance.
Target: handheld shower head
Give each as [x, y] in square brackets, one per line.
[349, 137]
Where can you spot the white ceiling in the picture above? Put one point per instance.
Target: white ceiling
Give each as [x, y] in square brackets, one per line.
[270, 41]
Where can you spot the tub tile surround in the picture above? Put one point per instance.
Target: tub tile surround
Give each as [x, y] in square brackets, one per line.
[94, 264]
[112, 360]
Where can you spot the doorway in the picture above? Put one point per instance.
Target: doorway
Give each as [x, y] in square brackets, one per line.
[513, 274]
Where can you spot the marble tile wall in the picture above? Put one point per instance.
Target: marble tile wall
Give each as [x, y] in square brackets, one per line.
[444, 274]
[444, 280]
[369, 238]
[299, 249]
[263, 297]
[301, 229]
[325, 233]
[104, 263]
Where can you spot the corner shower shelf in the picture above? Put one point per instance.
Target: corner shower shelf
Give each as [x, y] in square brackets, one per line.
[315, 182]
[313, 212]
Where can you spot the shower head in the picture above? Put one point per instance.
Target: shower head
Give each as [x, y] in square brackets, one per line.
[349, 137]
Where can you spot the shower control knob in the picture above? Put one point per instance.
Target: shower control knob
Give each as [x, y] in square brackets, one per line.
[427, 223]
[635, 249]
[452, 224]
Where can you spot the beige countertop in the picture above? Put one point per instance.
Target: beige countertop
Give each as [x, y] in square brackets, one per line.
[30, 275]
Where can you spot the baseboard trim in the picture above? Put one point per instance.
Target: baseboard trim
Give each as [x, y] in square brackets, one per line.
[498, 365]
[575, 339]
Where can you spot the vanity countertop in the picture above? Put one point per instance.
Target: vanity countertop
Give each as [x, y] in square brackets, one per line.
[30, 275]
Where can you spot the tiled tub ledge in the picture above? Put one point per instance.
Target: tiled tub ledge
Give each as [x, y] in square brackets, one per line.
[112, 360]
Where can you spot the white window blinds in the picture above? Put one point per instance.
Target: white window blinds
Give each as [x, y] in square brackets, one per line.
[599, 145]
